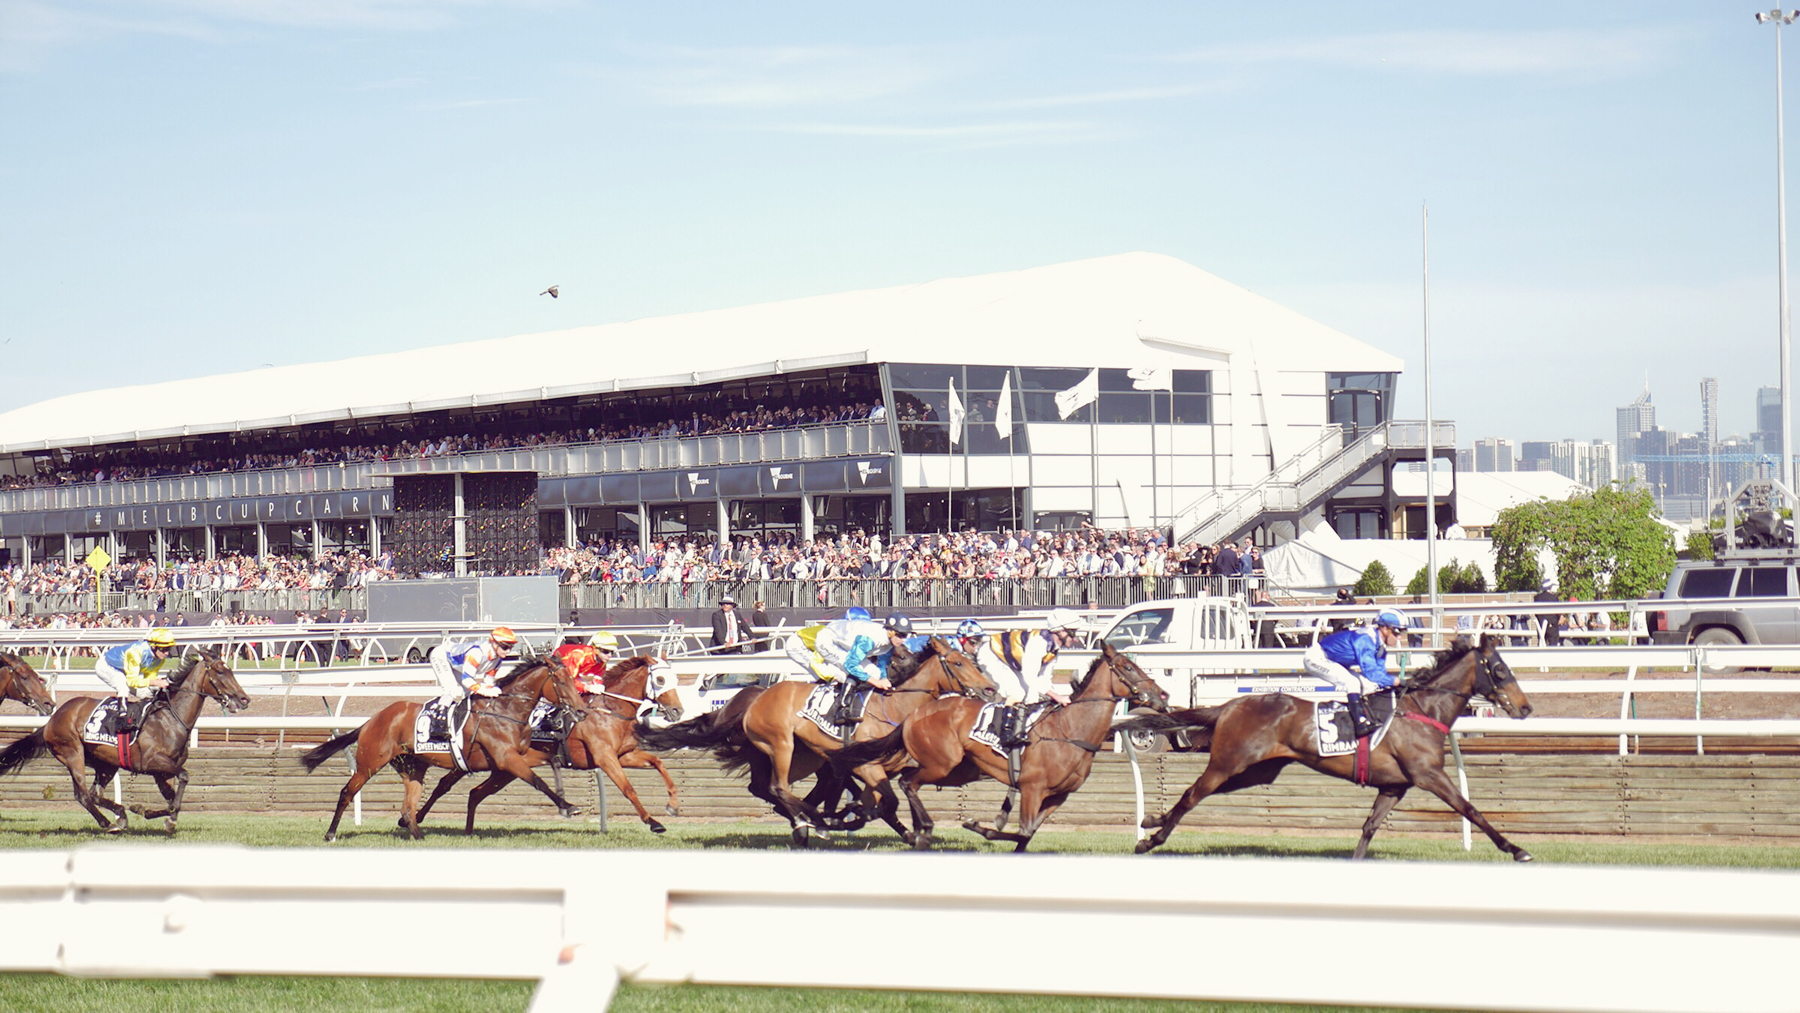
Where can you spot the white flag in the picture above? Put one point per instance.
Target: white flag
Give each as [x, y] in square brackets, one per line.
[1003, 414]
[1081, 395]
[957, 415]
[1150, 378]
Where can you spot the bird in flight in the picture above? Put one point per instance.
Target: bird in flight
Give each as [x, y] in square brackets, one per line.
[551, 292]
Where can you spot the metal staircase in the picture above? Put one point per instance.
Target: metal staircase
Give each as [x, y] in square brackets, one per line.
[1302, 482]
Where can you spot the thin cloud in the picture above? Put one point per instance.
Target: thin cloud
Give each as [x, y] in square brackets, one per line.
[787, 75]
[473, 103]
[1122, 95]
[1609, 51]
[941, 130]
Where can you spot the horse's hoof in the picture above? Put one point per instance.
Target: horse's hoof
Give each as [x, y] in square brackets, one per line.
[671, 810]
[658, 828]
[330, 837]
[1144, 847]
[974, 827]
[401, 823]
[1151, 822]
[1522, 855]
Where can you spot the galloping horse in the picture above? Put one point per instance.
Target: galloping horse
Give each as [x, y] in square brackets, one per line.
[1055, 762]
[159, 749]
[19, 681]
[1252, 738]
[496, 736]
[780, 746]
[605, 739]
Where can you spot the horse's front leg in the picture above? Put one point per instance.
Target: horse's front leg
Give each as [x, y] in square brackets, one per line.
[1029, 798]
[1438, 783]
[608, 762]
[879, 798]
[639, 759]
[91, 798]
[479, 794]
[173, 787]
[514, 763]
[1385, 801]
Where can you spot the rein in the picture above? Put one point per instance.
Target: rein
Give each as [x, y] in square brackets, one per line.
[1484, 672]
[1110, 701]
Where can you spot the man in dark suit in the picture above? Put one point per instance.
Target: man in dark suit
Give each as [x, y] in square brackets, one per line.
[759, 625]
[730, 633]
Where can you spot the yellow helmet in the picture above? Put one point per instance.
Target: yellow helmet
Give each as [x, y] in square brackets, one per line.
[604, 640]
[160, 637]
[504, 635]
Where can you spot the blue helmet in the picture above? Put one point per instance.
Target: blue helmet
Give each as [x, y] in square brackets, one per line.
[857, 612]
[969, 629]
[1392, 618]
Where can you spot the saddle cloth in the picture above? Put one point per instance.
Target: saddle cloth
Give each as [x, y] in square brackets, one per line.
[543, 732]
[100, 724]
[1332, 720]
[424, 742]
[821, 704]
[987, 725]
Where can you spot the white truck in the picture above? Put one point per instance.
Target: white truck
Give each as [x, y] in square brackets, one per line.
[1175, 626]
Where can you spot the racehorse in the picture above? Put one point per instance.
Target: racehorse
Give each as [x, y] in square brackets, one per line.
[495, 736]
[1055, 762]
[780, 746]
[1252, 738]
[159, 748]
[605, 739]
[19, 681]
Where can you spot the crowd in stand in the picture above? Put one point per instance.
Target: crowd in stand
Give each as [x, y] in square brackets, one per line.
[392, 443]
[234, 572]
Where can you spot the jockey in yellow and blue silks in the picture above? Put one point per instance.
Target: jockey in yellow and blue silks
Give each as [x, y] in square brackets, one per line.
[862, 648]
[1365, 650]
[803, 646]
[131, 668]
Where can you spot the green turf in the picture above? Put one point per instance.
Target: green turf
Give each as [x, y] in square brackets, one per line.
[66, 828]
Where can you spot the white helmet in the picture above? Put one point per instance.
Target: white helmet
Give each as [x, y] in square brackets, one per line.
[1062, 619]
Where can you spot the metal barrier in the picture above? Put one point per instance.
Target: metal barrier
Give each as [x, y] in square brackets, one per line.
[688, 916]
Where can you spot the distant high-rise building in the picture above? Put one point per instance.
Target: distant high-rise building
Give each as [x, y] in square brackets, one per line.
[1636, 418]
[1537, 455]
[1494, 455]
[1767, 439]
[1465, 460]
[1709, 409]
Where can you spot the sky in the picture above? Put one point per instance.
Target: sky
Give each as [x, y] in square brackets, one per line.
[191, 187]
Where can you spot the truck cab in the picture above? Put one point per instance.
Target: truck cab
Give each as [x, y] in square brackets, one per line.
[1178, 626]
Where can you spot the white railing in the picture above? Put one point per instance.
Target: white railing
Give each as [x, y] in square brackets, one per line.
[1132, 926]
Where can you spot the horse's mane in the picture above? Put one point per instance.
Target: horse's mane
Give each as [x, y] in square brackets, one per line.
[625, 667]
[516, 674]
[8, 657]
[1453, 654]
[1080, 684]
[919, 658]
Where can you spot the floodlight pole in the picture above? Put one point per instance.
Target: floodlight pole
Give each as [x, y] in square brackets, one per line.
[1779, 18]
[1431, 572]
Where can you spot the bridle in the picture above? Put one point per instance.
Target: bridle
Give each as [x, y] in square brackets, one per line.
[949, 674]
[642, 703]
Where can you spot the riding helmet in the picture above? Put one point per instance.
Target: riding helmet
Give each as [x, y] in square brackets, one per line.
[1062, 619]
[504, 636]
[969, 629]
[1393, 618]
[604, 640]
[899, 624]
[160, 637]
[857, 612]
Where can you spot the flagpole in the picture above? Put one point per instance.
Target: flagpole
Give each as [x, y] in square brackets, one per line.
[1437, 613]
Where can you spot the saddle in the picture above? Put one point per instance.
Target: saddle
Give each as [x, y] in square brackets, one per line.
[1002, 728]
[834, 707]
[439, 729]
[115, 720]
[1336, 736]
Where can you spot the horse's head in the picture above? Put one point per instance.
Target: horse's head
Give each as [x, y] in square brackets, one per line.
[1494, 679]
[19, 681]
[946, 670]
[1117, 676]
[554, 682]
[654, 682]
[210, 676]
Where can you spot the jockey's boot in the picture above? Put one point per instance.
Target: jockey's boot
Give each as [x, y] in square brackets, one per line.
[1359, 719]
[846, 703]
[1007, 730]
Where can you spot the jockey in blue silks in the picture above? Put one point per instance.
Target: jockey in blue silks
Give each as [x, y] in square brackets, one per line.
[1363, 649]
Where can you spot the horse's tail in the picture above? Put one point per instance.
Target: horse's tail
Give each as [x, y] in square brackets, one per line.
[701, 732]
[1174, 721]
[855, 755]
[22, 752]
[319, 754]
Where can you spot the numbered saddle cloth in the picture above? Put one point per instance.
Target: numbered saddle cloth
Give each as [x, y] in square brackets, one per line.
[542, 723]
[1337, 734]
[821, 707]
[428, 733]
[987, 725]
[102, 725]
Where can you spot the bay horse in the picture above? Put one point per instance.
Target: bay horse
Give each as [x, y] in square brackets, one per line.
[1253, 738]
[495, 736]
[780, 746]
[19, 681]
[1055, 762]
[606, 739]
[159, 749]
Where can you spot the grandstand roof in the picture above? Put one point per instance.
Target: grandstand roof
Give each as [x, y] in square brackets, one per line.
[1130, 310]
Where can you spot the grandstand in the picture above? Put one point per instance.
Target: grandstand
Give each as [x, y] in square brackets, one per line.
[1117, 391]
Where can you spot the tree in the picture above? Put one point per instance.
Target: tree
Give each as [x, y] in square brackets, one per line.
[1699, 545]
[1607, 544]
[1420, 584]
[1374, 581]
[1471, 580]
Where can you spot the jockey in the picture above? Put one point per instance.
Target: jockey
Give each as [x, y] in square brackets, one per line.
[803, 648]
[1364, 649]
[131, 669]
[1028, 657]
[468, 669]
[861, 649]
[587, 663]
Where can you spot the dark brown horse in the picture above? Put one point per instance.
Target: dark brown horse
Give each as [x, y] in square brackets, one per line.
[1054, 764]
[606, 739]
[781, 747]
[495, 737]
[19, 681]
[1252, 738]
[159, 749]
